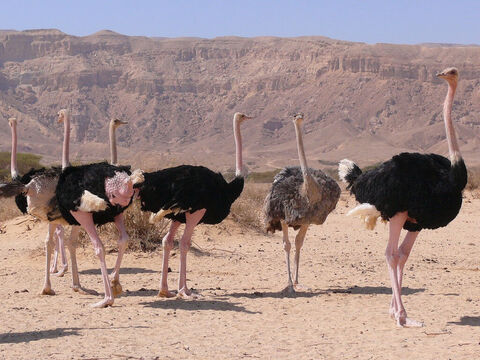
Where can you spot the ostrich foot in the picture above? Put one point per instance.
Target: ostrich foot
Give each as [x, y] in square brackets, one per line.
[299, 287]
[166, 294]
[185, 293]
[47, 291]
[103, 304]
[84, 291]
[53, 268]
[61, 272]
[116, 288]
[288, 290]
[404, 321]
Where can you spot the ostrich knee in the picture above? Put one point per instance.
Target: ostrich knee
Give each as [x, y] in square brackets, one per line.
[167, 243]
[287, 246]
[392, 258]
[185, 244]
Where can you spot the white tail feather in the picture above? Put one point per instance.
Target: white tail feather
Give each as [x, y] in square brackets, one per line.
[368, 213]
[91, 203]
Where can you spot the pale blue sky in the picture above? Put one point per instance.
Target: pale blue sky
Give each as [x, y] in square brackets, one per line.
[401, 21]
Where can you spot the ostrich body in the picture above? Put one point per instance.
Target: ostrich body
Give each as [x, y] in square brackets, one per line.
[299, 196]
[191, 195]
[35, 194]
[412, 191]
[96, 194]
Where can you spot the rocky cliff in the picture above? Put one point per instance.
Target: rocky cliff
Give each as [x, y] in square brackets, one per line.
[363, 101]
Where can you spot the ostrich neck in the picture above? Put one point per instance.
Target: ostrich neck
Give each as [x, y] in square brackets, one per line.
[13, 159]
[66, 142]
[238, 149]
[113, 145]
[453, 148]
[301, 152]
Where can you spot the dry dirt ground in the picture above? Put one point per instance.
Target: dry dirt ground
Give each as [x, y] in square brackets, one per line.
[242, 314]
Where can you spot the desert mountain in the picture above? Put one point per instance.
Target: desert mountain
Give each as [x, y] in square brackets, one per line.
[361, 101]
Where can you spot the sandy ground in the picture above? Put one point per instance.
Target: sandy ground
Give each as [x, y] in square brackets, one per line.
[242, 314]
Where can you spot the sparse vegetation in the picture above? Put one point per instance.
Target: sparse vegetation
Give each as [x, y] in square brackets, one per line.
[473, 178]
[247, 210]
[25, 162]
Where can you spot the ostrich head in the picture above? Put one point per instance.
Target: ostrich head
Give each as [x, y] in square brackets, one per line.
[12, 122]
[115, 123]
[119, 189]
[449, 74]
[298, 118]
[239, 117]
[62, 114]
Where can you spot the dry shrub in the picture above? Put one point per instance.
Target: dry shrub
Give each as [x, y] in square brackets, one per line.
[8, 209]
[247, 210]
[473, 178]
[143, 235]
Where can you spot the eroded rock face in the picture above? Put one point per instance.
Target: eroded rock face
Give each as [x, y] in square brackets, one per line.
[363, 101]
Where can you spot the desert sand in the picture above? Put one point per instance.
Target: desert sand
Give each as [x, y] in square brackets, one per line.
[242, 314]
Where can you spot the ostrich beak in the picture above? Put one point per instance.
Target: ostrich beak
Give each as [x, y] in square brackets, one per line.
[248, 117]
[440, 74]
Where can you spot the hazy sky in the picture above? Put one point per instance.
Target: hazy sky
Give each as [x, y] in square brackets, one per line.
[393, 21]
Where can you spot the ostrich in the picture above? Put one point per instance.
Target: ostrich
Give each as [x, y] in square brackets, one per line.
[34, 192]
[114, 124]
[191, 195]
[96, 194]
[299, 196]
[414, 191]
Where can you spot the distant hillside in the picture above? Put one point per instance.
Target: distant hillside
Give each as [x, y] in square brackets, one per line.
[363, 101]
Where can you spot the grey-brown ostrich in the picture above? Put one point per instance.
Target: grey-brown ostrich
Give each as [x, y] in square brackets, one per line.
[299, 196]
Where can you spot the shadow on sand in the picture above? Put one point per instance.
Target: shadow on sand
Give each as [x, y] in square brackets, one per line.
[126, 270]
[275, 295]
[198, 304]
[373, 290]
[467, 320]
[27, 336]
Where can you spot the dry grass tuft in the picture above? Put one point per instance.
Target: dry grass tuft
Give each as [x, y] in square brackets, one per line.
[247, 210]
[473, 178]
[144, 236]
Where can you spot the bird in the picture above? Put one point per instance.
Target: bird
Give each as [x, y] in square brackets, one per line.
[190, 195]
[299, 196]
[412, 191]
[96, 194]
[113, 125]
[34, 194]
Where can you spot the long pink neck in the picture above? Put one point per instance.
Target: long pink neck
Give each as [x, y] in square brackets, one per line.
[238, 148]
[113, 144]
[13, 159]
[453, 149]
[301, 150]
[66, 142]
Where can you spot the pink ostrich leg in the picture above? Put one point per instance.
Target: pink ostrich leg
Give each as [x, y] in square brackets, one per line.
[167, 244]
[122, 246]
[47, 285]
[192, 219]
[86, 221]
[59, 245]
[393, 262]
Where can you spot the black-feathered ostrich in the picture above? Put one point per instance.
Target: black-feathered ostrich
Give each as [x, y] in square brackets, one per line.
[191, 195]
[299, 196]
[35, 194]
[113, 125]
[414, 191]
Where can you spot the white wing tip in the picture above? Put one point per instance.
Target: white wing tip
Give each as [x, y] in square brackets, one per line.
[91, 203]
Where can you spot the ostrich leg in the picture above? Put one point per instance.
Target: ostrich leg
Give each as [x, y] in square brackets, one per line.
[167, 244]
[403, 253]
[86, 221]
[192, 219]
[393, 261]
[59, 234]
[298, 246]
[47, 286]
[122, 245]
[287, 246]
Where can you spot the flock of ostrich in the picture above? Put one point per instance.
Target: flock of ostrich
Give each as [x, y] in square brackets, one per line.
[412, 191]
